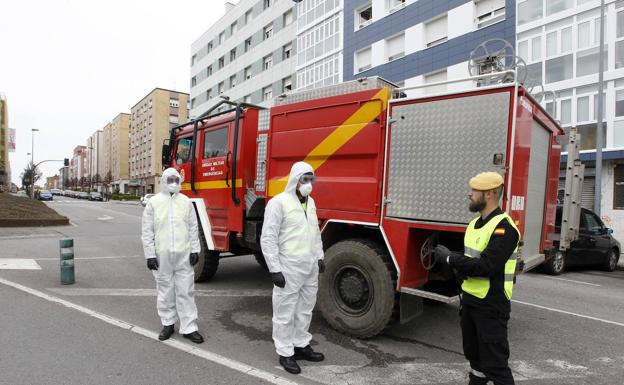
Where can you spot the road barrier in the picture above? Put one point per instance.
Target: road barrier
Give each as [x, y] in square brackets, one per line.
[67, 261]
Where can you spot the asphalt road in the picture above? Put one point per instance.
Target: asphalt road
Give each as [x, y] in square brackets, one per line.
[563, 330]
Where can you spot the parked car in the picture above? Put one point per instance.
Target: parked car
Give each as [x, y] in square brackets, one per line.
[595, 246]
[45, 195]
[95, 196]
[55, 191]
[145, 198]
[83, 195]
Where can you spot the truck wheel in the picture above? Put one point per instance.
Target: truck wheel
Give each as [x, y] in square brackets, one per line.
[556, 264]
[357, 290]
[208, 262]
[612, 260]
[260, 260]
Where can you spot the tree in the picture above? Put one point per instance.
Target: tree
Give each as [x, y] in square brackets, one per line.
[26, 177]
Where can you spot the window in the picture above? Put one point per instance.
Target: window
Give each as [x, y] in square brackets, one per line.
[597, 31]
[583, 35]
[288, 17]
[267, 93]
[267, 62]
[267, 3]
[619, 103]
[489, 12]
[554, 6]
[193, 81]
[286, 51]
[233, 28]
[566, 39]
[268, 31]
[536, 48]
[593, 223]
[395, 47]
[394, 5]
[193, 59]
[173, 119]
[221, 37]
[247, 99]
[183, 150]
[221, 62]
[193, 103]
[551, 44]
[209, 47]
[215, 143]
[559, 69]
[587, 61]
[436, 31]
[618, 187]
[232, 81]
[209, 71]
[247, 44]
[620, 24]
[209, 94]
[529, 10]
[619, 54]
[172, 103]
[523, 49]
[436, 77]
[363, 60]
[364, 16]
[220, 88]
[247, 73]
[248, 16]
[232, 55]
[287, 84]
[582, 109]
[566, 111]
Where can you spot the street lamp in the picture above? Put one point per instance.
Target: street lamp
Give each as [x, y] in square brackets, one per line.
[34, 170]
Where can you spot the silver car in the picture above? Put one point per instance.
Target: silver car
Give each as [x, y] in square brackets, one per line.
[145, 198]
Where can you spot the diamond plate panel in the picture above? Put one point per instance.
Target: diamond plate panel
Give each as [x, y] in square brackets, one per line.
[436, 147]
[260, 183]
[264, 120]
[369, 83]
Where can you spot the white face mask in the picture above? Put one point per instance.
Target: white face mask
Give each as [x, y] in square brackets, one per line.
[305, 189]
[173, 188]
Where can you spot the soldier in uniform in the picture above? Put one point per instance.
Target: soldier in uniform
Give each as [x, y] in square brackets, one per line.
[487, 267]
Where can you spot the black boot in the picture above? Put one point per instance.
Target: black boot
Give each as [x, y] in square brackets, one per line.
[194, 337]
[289, 364]
[308, 354]
[166, 332]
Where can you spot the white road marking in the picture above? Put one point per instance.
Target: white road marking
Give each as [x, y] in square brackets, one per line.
[205, 354]
[574, 281]
[92, 258]
[105, 218]
[30, 236]
[152, 292]
[423, 373]
[18, 264]
[568, 312]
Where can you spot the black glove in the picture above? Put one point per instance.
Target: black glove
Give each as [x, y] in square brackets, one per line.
[321, 264]
[194, 258]
[152, 263]
[278, 279]
[521, 266]
[440, 254]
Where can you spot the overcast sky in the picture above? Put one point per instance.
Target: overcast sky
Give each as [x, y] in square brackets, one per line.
[68, 67]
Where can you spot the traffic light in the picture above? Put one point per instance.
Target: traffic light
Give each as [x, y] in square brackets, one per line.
[66, 162]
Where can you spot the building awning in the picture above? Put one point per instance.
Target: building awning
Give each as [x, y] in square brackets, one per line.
[588, 156]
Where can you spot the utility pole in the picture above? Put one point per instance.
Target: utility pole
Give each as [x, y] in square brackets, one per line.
[34, 168]
[599, 134]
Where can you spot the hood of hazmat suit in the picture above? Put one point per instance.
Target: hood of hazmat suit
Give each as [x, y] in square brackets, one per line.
[170, 234]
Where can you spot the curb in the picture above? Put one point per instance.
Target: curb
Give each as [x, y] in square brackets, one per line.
[26, 222]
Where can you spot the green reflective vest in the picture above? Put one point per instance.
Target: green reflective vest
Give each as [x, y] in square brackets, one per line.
[475, 242]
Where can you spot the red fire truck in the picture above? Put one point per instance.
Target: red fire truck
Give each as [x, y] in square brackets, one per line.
[392, 175]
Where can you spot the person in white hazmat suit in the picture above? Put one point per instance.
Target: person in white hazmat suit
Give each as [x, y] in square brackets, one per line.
[293, 249]
[171, 247]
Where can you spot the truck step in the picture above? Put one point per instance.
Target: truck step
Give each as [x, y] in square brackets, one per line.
[430, 295]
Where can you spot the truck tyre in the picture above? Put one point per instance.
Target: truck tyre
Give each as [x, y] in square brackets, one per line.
[556, 263]
[260, 259]
[611, 262]
[357, 293]
[208, 262]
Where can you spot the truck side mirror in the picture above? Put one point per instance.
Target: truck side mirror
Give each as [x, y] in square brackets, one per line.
[166, 153]
[609, 231]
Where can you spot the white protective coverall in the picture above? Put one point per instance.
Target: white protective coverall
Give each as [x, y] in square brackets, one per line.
[170, 234]
[291, 244]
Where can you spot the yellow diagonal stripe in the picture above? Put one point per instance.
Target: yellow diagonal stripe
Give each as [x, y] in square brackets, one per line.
[210, 185]
[339, 137]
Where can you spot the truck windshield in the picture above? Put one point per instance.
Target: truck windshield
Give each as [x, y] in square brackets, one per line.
[183, 150]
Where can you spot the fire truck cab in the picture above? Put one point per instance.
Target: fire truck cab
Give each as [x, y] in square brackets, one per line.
[392, 174]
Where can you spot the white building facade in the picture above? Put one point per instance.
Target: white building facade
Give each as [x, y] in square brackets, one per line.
[560, 42]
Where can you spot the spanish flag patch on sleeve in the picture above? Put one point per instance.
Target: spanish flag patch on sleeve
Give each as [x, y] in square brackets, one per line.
[499, 231]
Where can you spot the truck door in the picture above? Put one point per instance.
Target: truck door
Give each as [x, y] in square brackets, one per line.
[182, 157]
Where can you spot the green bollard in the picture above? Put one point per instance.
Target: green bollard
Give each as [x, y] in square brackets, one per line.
[67, 261]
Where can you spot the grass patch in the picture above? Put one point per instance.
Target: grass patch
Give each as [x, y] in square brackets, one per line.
[23, 208]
